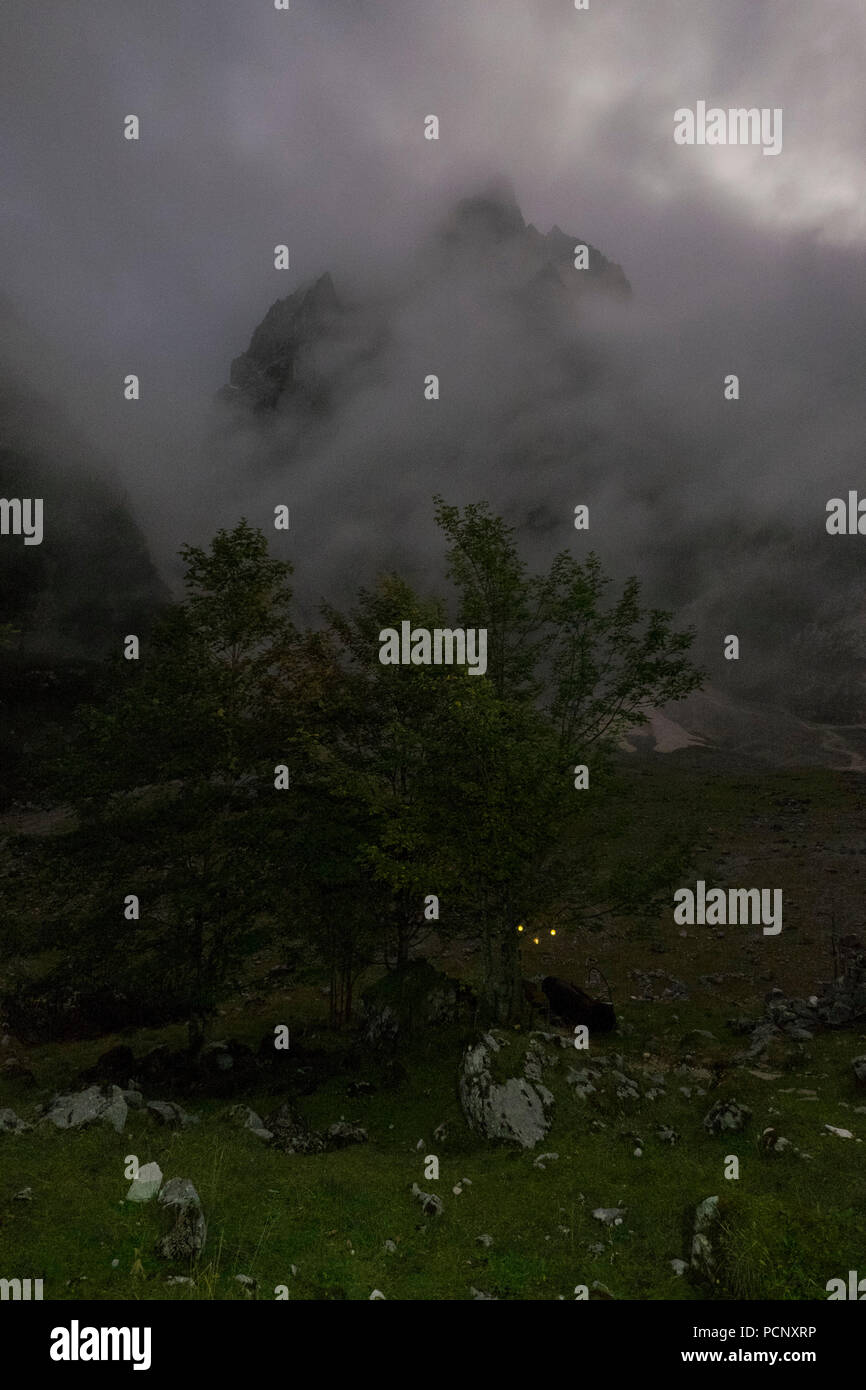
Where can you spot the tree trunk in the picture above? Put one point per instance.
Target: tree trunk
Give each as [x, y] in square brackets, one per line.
[502, 988]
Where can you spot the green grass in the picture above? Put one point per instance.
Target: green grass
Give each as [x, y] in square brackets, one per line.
[787, 1225]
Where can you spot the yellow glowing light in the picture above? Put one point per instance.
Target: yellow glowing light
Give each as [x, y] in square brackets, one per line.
[520, 929]
[535, 939]
[553, 931]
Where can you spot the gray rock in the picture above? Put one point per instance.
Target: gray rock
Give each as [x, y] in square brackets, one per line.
[478, 1295]
[679, 1266]
[390, 1247]
[167, 1112]
[859, 1066]
[543, 1160]
[91, 1106]
[727, 1117]
[702, 1256]
[611, 1216]
[146, 1185]
[486, 1241]
[342, 1134]
[581, 1082]
[292, 1134]
[189, 1233]
[10, 1123]
[134, 1099]
[431, 1205]
[519, 1108]
[245, 1118]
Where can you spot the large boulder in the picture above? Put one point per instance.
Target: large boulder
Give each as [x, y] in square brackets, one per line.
[95, 1105]
[408, 1001]
[501, 1090]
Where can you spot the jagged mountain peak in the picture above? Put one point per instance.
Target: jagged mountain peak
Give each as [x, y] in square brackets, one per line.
[310, 346]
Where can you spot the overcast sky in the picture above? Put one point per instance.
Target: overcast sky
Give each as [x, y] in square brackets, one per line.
[306, 127]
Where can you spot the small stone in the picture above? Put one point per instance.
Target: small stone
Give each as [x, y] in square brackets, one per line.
[390, 1247]
[611, 1216]
[543, 1159]
[377, 1293]
[840, 1133]
[679, 1266]
[431, 1205]
[486, 1241]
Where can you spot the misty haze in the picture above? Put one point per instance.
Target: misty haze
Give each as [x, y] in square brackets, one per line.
[325, 324]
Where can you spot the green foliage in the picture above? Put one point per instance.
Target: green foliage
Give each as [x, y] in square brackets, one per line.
[405, 780]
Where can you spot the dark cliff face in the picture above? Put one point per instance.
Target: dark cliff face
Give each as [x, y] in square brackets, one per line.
[311, 348]
[91, 580]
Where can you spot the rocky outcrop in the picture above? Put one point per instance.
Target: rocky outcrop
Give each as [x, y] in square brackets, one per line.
[313, 349]
[94, 1105]
[516, 1107]
[842, 1004]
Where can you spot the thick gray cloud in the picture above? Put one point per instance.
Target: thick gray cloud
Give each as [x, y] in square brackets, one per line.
[306, 127]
